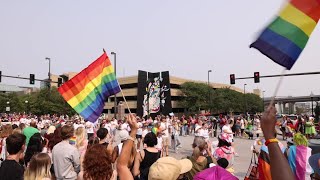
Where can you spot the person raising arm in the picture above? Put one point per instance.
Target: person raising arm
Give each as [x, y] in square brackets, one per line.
[123, 160]
[280, 168]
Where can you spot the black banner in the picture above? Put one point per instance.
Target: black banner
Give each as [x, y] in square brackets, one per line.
[142, 84]
[166, 106]
[154, 96]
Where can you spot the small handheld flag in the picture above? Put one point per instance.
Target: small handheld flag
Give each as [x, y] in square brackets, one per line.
[87, 92]
[286, 37]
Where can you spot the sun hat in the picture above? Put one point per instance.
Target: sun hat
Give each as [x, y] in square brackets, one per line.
[225, 137]
[168, 168]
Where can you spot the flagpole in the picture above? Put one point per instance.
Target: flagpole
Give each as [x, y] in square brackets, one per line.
[125, 101]
[277, 87]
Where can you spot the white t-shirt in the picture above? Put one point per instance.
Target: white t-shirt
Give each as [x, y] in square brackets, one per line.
[205, 133]
[159, 145]
[23, 120]
[139, 131]
[145, 132]
[166, 127]
[242, 123]
[108, 127]
[89, 127]
[198, 127]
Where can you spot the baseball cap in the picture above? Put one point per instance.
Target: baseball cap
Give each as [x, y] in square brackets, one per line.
[169, 168]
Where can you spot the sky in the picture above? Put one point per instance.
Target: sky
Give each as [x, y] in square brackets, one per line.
[185, 37]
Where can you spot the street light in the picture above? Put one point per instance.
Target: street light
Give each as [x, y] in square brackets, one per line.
[209, 71]
[245, 99]
[26, 106]
[263, 99]
[8, 107]
[209, 94]
[312, 96]
[49, 73]
[115, 73]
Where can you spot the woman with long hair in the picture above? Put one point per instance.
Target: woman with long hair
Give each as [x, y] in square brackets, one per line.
[55, 138]
[97, 164]
[81, 140]
[35, 146]
[6, 130]
[39, 168]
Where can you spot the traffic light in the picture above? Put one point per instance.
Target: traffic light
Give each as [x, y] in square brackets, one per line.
[59, 82]
[31, 78]
[232, 79]
[0, 75]
[256, 77]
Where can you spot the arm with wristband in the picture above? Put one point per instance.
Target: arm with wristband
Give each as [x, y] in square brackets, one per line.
[279, 165]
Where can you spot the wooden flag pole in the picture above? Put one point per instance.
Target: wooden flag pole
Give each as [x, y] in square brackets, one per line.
[125, 101]
[277, 87]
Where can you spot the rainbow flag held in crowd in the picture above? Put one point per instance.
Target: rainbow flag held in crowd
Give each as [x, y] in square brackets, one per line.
[87, 92]
[286, 37]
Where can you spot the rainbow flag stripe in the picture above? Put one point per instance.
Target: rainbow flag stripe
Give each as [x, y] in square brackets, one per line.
[286, 37]
[87, 92]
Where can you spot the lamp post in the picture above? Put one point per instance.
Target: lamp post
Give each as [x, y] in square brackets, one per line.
[245, 99]
[209, 94]
[209, 71]
[115, 73]
[26, 106]
[49, 73]
[311, 96]
[263, 99]
[8, 106]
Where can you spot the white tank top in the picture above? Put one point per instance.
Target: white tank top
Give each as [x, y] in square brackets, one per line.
[120, 148]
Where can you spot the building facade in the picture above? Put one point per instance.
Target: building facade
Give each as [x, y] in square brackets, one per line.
[130, 88]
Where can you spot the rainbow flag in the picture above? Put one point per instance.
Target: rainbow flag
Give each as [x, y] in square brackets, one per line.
[87, 92]
[73, 140]
[285, 38]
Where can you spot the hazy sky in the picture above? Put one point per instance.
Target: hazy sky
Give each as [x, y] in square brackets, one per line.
[186, 37]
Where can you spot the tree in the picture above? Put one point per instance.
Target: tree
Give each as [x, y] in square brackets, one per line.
[224, 100]
[195, 96]
[45, 101]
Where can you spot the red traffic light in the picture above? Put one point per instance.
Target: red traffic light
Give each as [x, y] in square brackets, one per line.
[256, 77]
[232, 79]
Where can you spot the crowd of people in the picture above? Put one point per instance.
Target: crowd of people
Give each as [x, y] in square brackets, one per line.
[302, 124]
[63, 147]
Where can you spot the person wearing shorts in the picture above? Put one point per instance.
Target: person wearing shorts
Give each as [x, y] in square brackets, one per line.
[164, 126]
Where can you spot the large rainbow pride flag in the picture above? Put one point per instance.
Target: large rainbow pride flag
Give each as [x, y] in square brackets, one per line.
[286, 37]
[86, 92]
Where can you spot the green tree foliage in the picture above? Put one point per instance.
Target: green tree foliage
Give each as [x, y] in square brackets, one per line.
[199, 96]
[45, 101]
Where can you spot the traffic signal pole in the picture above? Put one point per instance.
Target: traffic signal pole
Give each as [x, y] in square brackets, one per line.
[279, 75]
[18, 77]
